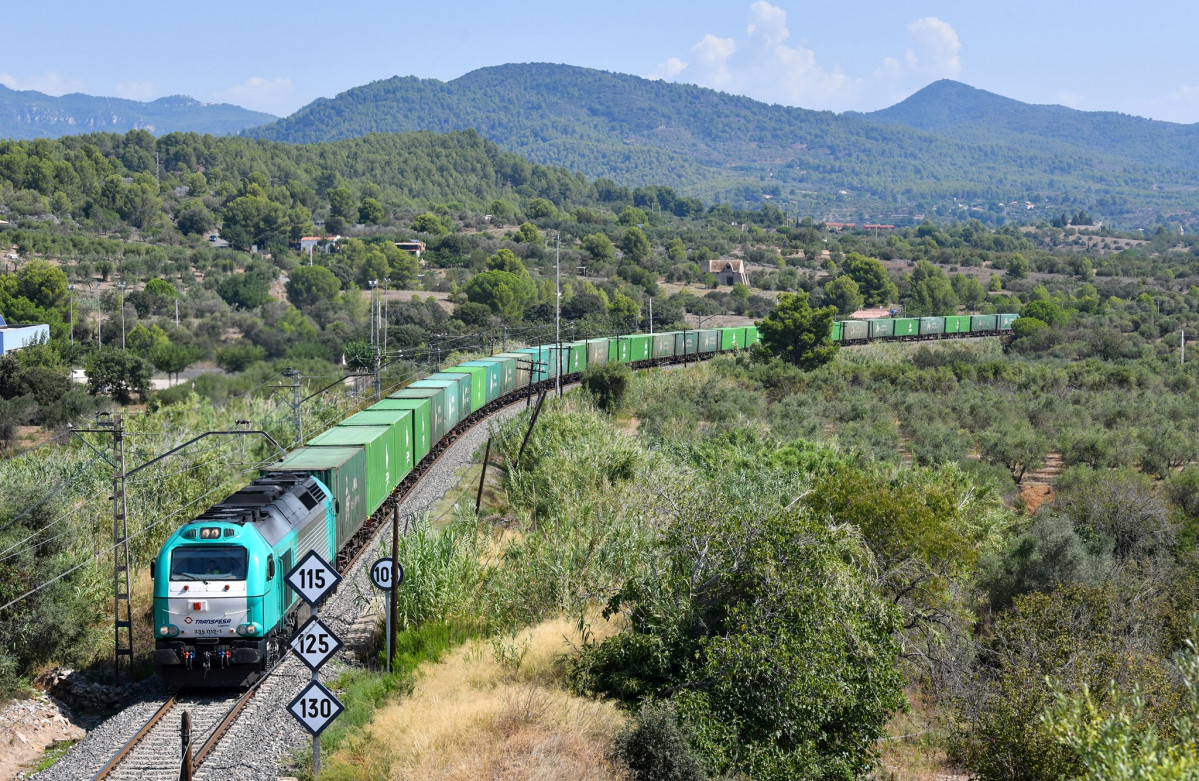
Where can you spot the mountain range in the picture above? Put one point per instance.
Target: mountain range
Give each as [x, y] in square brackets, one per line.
[29, 114]
[947, 151]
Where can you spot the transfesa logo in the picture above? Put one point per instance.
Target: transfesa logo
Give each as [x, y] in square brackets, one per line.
[187, 620]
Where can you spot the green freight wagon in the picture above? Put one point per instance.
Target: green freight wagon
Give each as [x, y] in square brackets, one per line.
[504, 374]
[662, 345]
[452, 404]
[709, 340]
[639, 347]
[930, 326]
[957, 324]
[462, 386]
[1005, 322]
[400, 423]
[478, 384]
[422, 425]
[577, 357]
[983, 323]
[837, 330]
[907, 326]
[520, 368]
[439, 423]
[751, 335]
[343, 471]
[493, 379]
[732, 338]
[881, 328]
[538, 370]
[854, 330]
[686, 343]
[382, 462]
[599, 351]
[624, 349]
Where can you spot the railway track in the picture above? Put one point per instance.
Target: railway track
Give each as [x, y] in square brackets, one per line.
[155, 750]
[153, 753]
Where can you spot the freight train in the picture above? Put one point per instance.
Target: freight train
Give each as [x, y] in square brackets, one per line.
[222, 612]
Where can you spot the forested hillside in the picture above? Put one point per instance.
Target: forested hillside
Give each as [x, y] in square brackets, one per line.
[29, 114]
[737, 150]
[960, 112]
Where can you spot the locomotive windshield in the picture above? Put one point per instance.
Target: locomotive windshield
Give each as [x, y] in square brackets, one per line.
[208, 562]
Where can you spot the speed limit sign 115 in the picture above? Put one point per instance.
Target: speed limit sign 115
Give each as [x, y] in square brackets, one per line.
[381, 574]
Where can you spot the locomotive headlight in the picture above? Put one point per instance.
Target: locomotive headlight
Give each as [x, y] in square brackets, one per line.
[247, 630]
[171, 630]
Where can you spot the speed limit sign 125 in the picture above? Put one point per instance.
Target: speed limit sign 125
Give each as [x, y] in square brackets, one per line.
[381, 574]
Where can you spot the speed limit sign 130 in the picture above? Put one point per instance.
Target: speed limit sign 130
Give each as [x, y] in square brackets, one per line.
[381, 574]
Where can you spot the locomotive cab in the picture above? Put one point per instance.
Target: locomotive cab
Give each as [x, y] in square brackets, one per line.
[222, 612]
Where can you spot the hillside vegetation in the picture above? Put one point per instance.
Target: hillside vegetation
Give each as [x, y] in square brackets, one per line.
[737, 150]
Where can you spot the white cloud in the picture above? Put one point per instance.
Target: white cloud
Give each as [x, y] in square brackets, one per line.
[1180, 104]
[136, 90]
[259, 93]
[50, 82]
[940, 48]
[765, 65]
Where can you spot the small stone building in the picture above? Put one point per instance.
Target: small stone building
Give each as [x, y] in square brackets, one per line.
[728, 271]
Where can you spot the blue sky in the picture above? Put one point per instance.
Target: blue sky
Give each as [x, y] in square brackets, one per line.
[276, 57]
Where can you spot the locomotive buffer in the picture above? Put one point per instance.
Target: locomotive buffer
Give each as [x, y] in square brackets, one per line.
[315, 707]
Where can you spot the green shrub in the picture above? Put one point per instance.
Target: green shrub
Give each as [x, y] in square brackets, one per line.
[655, 747]
[608, 383]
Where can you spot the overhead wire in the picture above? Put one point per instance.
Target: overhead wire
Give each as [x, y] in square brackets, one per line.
[111, 548]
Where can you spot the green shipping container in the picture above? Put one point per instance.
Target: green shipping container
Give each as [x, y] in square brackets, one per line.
[662, 345]
[463, 384]
[478, 384]
[439, 424]
[732, 338]
[502, 370]
[576, 357]
[400, 423]
[538, 370]
[624, 349]
[957, 324]
[932, 325]
[881, 328]
[598, 351]
[907, 326]
[421, 420]
[493, 381]
[451, 394]
[751, 335]
[686, 343]
[519, 363]
[709, 340]
[382, 460]
[639, 347]
[1005, 322]
[838, 328]
[343, 471]
[854, 330]
[983, 323]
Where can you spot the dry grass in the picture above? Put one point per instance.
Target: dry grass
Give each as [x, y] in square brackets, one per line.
[492, 709]
[912, 751]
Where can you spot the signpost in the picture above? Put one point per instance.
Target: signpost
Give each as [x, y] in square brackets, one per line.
[315, 644]
[315, 706]
[382, 572]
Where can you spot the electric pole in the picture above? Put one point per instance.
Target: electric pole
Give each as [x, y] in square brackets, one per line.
[121, 298]
[558, 304]
[122, 609]
[296, 421]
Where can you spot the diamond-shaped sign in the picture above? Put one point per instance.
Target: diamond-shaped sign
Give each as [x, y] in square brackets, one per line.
[313, 578]
[315, 707]
[315, 643]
